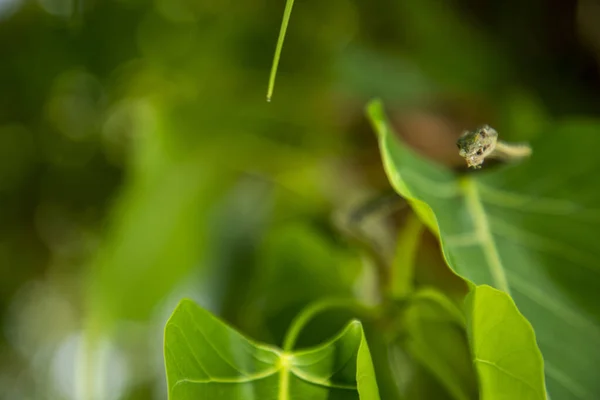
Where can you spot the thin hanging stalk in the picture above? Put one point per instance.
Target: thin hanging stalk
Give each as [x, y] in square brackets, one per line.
[284, 24]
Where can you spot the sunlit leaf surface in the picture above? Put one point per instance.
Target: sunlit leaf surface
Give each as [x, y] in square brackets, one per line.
[206, 359]
[527, 230]
[508, 362]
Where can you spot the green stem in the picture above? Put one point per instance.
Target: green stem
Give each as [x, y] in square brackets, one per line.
[403, 267]
[312, 310]
[284, 24]
[354, 227]
[438, 298]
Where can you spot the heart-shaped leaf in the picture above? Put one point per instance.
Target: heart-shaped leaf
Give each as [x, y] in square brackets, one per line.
[206, 359]
[529, 230]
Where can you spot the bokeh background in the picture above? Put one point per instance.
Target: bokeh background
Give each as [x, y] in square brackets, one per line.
[140, 162]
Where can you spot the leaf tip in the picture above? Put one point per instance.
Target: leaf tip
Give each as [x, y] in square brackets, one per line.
[183, 304]
[186, 302]
[353, 327]
[376, 116]
[374, 108]
[355, 322]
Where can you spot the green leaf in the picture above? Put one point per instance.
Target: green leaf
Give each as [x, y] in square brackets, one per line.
[507, 359]
[206, 359]
[284, 24]
[529, 230]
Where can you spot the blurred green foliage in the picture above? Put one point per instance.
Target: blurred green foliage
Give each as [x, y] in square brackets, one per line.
[140, 163]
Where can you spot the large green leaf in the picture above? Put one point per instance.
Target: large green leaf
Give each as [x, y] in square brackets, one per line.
[505, 354]
[206, 359]
[529, 230]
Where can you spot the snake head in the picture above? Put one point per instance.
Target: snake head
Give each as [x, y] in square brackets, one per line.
[475, 146]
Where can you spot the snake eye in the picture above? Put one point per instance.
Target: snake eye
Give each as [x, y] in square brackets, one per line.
[479, 152]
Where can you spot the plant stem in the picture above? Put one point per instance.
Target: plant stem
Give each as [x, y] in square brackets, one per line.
[403, 267]
[312, 310]
[284, 24]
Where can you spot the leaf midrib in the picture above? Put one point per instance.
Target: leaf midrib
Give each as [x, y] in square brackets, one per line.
[484, 233]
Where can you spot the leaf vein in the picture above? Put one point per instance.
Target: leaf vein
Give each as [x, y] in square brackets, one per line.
[508, 373]
[319, 382]
[192, 351]
[213, 346]
[245, 379]
[545, 244]
[576, 389]
[565, 312]
[482, 227]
